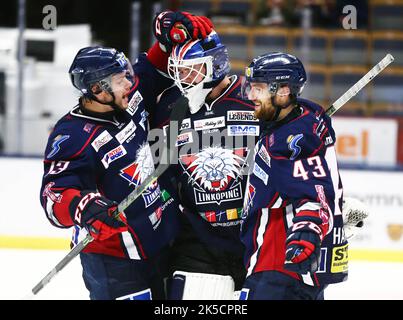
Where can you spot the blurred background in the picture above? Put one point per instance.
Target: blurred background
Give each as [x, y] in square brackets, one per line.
[338, 41]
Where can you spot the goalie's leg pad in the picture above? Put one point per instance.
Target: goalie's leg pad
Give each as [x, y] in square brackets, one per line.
[201, 286]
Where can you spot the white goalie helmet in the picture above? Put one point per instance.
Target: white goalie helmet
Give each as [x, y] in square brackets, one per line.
[197, 66]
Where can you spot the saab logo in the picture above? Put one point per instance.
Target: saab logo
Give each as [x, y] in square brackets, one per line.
[184, 138]
[134, 103]
[243, 130]
[83, 203]
[214, 173]
[141, 168]
[126, 132]
[293, 145]
[264, 155]
[56, 144]
[234, 115]
[101, 140]
[113, 155]
[211, 123]
[185, 124]
[259, 172]
[339, 259]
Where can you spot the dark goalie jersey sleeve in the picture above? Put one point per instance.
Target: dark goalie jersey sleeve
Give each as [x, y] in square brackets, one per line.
[68, 169]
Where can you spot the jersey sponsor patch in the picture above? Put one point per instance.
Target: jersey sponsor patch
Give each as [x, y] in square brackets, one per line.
[56, 144]
[155, 218]
[101, 140]
[260, 173]
[113, 155]
[88, 127]
[238, 115]
[134, 103]
[210, 123]
[339, 259]
[183, 139]
[126, 133]
[243, 130]
[264, 155]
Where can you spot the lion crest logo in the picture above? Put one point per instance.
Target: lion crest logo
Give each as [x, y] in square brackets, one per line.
[214, 167]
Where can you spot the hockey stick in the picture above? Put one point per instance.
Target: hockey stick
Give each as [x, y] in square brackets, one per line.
[177, 115]
[388, 59]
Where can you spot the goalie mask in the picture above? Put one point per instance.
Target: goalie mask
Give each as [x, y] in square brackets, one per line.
[197, 66]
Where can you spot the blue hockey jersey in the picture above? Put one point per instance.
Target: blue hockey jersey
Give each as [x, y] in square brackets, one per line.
[295, 171]
[109, 153]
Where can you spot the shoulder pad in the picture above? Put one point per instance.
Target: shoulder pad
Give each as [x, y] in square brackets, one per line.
[69, 138]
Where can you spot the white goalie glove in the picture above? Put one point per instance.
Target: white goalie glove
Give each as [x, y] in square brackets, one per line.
[354, 213]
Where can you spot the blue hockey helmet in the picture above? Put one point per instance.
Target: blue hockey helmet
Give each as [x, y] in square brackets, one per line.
[276, 69]
[95, 64]
[197, 66]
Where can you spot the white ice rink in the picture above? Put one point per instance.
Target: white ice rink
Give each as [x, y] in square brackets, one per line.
[21, 270]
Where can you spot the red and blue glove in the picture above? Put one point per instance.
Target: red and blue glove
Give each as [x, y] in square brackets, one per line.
[303, 243]
[97, 214]
[171, 28]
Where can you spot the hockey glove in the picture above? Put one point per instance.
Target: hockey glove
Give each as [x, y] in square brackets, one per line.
[354, 213]
[303, 242]
[95, 213]
[171, 28]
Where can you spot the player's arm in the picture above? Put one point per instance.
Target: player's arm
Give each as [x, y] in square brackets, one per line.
[174, 27]
[306, 182]
[69, 194]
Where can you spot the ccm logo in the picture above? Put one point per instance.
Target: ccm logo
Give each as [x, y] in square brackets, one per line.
[82, 204]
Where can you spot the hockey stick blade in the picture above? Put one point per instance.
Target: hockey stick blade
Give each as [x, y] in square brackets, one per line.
[377, 69]
[177, 115]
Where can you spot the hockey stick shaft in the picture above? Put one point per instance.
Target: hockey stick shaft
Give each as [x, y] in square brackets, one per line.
[177, 115]
[377, 69]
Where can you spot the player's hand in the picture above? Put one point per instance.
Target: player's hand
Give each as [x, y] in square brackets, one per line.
[171, 28]
[96, 213]
[354, 213]
[303, 242]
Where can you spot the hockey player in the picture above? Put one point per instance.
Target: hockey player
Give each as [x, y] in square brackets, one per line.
[207, 259]
[96, 155]
[207, 255]
[292, 220]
